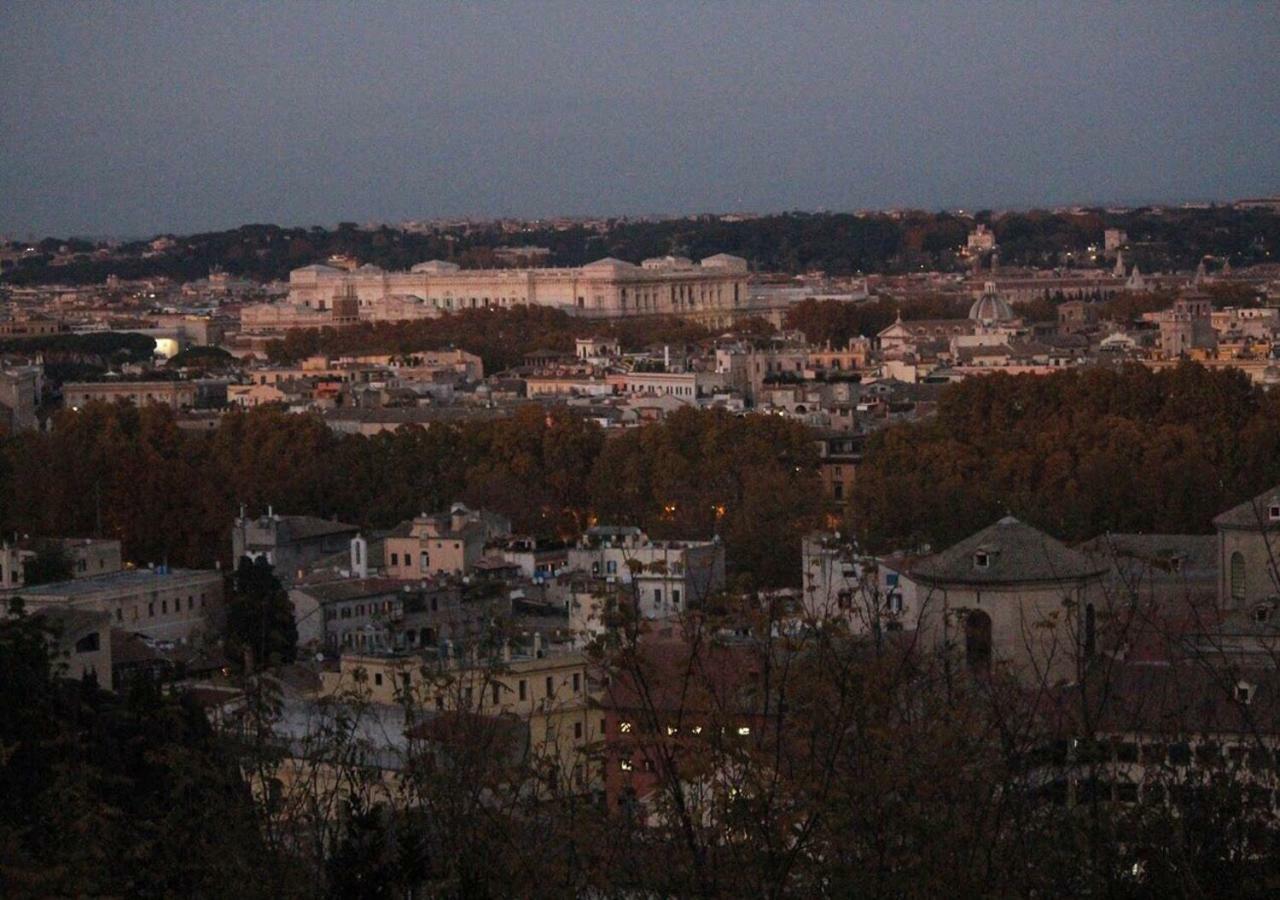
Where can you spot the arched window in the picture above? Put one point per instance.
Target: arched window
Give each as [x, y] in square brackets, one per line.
[977, 640]
[1237, 576]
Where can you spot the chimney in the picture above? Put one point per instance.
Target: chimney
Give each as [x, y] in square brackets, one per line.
[537, 645]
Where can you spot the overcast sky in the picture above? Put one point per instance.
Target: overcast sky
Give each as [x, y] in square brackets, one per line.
[133, 119]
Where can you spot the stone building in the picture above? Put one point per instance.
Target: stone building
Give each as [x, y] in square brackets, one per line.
[442, 544]
[162, 603]
[173, 394]
[1249, 552]
[289, 543]
[1011, 595]
[664, 577]
[714, 291]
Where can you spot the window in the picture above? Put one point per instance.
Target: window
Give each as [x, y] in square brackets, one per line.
[551, 689]
[675, 596]
[1237, 576]
[151, 609]
[977, 640]
[164, 607]
[88, 643]
[496, 691]
[1274, 513]
[524, 689]
[119, 613]
[624, 727]
[981, 559]
[657, 596]
[577, 731]
[1244, 692]
[424, 561]
[377, 678]
[611, 567]
[744, 730]
[577, 682]
[395, 559]
[1261, 613]
[625, 765]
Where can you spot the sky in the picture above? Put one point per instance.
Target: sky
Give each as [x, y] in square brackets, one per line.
[136, 119]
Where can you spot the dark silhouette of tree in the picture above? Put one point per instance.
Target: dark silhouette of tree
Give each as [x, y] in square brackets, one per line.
[260, 623]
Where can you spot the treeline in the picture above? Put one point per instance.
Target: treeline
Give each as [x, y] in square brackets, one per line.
[838, 243]
[1077, 453]
[117, 795]
[120, 472]
[500, 337]
[862, 773]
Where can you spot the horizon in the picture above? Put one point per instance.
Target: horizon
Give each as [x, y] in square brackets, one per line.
[960, 212]
[182, 118]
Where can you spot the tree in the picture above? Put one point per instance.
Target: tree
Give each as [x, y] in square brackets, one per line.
[260, 625]
[51, 563]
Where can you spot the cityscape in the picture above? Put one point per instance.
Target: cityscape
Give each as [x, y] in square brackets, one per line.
[882, 545]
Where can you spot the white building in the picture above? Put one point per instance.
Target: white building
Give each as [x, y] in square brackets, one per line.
[714, 291]
[665, 577]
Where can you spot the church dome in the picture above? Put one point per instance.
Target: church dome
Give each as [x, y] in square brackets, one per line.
[991, 308]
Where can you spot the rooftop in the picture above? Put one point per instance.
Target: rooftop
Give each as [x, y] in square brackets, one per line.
[129, 579]
[1008, 552]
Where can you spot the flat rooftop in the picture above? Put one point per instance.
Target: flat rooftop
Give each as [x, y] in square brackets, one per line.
[130, 579]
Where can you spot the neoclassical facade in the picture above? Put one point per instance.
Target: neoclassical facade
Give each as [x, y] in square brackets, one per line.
[712, 291]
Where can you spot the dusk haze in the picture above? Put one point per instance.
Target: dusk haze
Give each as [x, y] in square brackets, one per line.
[607, 450]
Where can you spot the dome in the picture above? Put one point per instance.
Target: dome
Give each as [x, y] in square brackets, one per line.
[991, 307]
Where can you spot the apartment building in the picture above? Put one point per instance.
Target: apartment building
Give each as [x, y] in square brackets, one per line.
[664, 577]
[162, 603]
[442, 544]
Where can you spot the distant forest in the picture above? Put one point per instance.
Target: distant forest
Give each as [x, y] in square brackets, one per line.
[836, 243]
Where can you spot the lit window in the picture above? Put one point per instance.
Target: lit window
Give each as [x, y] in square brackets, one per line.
[624, 727]
[625, 765]
[744, 730]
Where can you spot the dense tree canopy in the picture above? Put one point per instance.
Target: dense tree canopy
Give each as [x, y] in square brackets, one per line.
[115, 795]
[133, 474]
[1077, 453]
[500, 337]
[838, 243]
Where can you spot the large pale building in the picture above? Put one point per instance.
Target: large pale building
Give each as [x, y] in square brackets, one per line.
[713, 290]
[162, 603]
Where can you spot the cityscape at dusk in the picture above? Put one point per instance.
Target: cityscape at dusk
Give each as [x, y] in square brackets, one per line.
[605, 450]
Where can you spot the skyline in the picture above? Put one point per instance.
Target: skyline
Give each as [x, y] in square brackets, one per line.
[180, 119]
